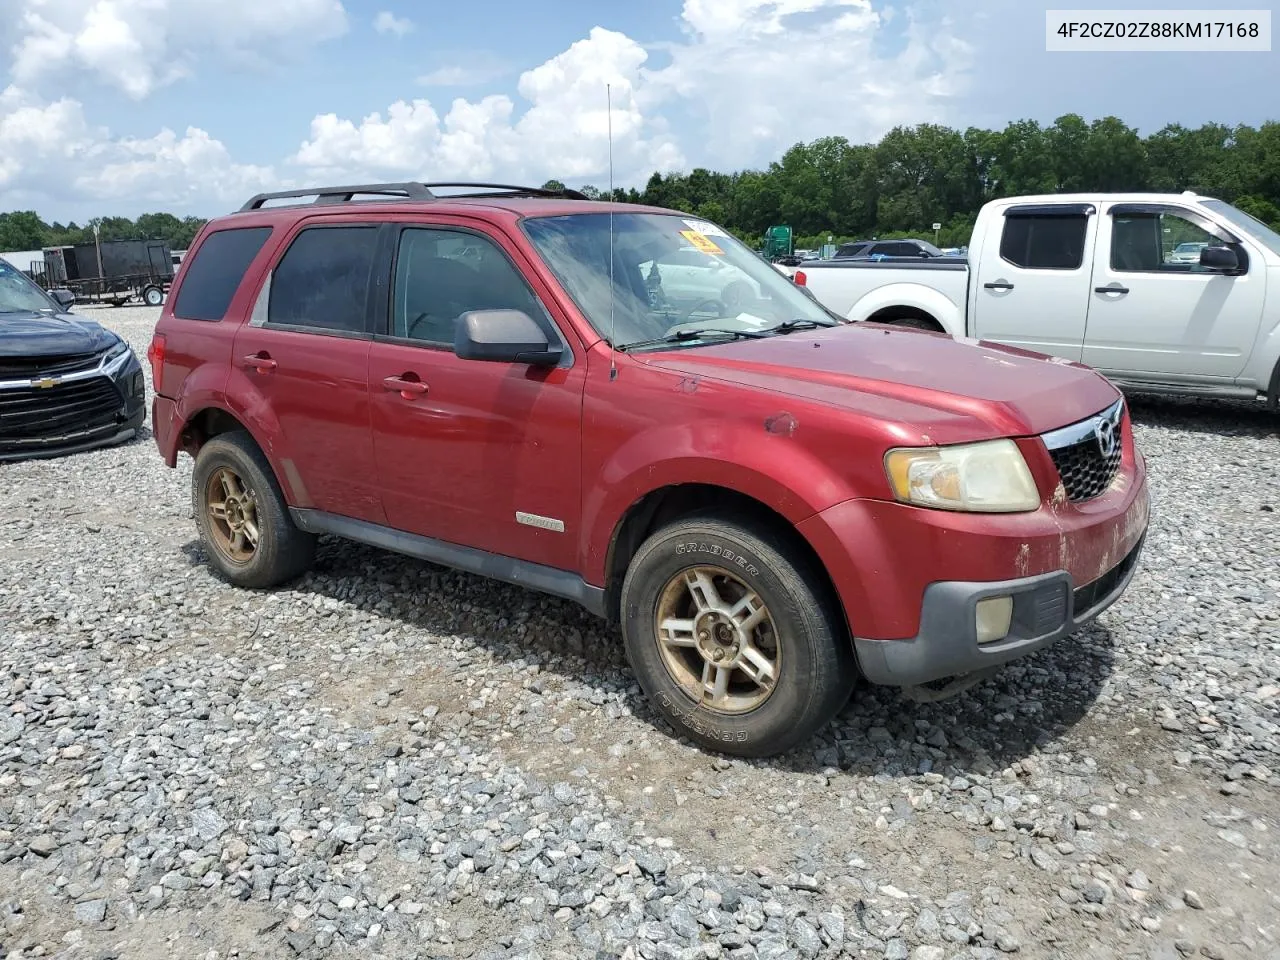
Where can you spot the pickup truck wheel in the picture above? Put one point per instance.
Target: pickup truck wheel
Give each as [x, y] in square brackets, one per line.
[242, 516]
[915, 323]
[730, 642]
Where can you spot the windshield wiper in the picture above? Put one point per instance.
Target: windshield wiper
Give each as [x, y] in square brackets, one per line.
[702, 333]
[791, 326]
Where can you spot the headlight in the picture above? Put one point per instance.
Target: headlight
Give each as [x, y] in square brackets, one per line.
[988, 477]
[118, 349]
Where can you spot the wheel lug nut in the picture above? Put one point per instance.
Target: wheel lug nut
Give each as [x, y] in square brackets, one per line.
[718, 656]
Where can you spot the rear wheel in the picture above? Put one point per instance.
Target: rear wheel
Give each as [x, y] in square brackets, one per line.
[153, 296]
[242, 516]
[733, 638]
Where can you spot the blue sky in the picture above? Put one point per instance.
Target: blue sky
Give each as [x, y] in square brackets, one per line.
[121, 106]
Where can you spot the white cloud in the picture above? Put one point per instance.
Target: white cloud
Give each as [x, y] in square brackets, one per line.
[388, 22]
[759, 75]
[139, 45]
[749, 77]
[562, 133]
[746, 80]
[44, 146]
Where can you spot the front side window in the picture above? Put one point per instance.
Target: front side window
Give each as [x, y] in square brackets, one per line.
[442, 274]
[323, 280]
[1157, 243]
[1044, 242]
[658, 276]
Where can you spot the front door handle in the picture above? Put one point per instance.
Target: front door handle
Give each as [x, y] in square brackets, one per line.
[1110, 289]
[409, 389]
[260, 362]
[999, 285]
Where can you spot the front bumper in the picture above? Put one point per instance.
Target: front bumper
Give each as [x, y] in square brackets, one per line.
[1045, 609]
[69, 413]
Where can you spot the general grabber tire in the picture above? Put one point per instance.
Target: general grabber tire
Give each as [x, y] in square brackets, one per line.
[242, 516]
[734, 637]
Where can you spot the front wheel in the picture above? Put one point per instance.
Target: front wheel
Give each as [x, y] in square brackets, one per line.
[242, 517]
[733, 638]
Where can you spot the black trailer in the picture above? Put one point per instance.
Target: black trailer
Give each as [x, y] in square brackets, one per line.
[114, 271]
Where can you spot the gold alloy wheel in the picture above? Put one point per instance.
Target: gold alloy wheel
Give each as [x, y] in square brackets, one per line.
[718, 639]
[232, 514]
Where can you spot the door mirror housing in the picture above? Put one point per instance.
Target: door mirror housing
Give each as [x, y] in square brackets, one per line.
[63, 298]
[1223, 259]
[504, 336]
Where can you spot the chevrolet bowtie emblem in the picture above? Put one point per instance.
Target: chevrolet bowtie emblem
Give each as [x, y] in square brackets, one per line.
[44, 383]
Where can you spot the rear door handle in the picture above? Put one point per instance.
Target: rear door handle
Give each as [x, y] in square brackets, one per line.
[999, 285]
[263, 364]
[1110, 289]
[409, 389]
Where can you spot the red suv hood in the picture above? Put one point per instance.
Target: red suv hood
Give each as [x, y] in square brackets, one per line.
[951, 389]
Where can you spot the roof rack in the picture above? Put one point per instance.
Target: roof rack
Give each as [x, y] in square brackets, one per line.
[405, 191]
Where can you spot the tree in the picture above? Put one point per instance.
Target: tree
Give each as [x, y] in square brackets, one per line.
[21, 230]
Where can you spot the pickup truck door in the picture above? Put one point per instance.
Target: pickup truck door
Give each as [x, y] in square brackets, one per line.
[1151, 317]
[1031, 286]
[476, 453]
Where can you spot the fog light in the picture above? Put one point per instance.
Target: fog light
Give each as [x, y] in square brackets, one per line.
[994, 615]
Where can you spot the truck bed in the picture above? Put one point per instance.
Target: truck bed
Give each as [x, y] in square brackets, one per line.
[861, 289]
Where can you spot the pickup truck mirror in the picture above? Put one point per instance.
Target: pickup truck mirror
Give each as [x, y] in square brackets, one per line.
[504, 336]
[63, 297]
[1220, 258]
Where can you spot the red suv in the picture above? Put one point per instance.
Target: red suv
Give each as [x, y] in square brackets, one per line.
[627, 407]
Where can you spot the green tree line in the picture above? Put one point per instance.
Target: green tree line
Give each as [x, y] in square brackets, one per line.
[914, 177]
[917, 176]
[24, 230]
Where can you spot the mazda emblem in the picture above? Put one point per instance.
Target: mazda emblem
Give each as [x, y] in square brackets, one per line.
[1105, 431]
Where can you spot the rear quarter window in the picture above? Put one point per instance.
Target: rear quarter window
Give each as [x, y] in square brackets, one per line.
[212, 276]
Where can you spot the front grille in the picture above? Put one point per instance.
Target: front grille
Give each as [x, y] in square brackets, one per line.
[1091, 594]
[26, 368]
[1086, 468]
[31, 417]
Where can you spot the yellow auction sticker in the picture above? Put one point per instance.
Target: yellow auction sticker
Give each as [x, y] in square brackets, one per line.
[702, 242]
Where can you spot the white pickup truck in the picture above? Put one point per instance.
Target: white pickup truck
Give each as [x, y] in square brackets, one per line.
[1093, 278]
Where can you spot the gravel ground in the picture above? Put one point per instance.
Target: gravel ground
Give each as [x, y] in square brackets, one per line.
[390, 759]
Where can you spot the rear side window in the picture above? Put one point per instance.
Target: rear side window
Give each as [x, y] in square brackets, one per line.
[213, 275]
[323, 280]
[1044, 242]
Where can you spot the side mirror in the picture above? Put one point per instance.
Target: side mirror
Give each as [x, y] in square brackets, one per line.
[1220, 258]
[504, 336]
[63, 297]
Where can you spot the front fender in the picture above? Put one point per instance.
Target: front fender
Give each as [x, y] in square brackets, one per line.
[747, 458]
[917, 296]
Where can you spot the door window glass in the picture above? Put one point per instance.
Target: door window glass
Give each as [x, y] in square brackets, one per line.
[323, 279]
[442, 274]
[1044, 242]
[1157, 243]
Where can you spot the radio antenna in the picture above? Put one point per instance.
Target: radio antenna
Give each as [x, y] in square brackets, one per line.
[613, 323]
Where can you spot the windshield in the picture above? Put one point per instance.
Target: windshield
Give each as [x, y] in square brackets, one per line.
[18, 294]
[671, 275]
[1250, 225]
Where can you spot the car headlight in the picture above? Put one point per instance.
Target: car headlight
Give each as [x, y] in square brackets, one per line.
[987, 477]
[118, 349]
